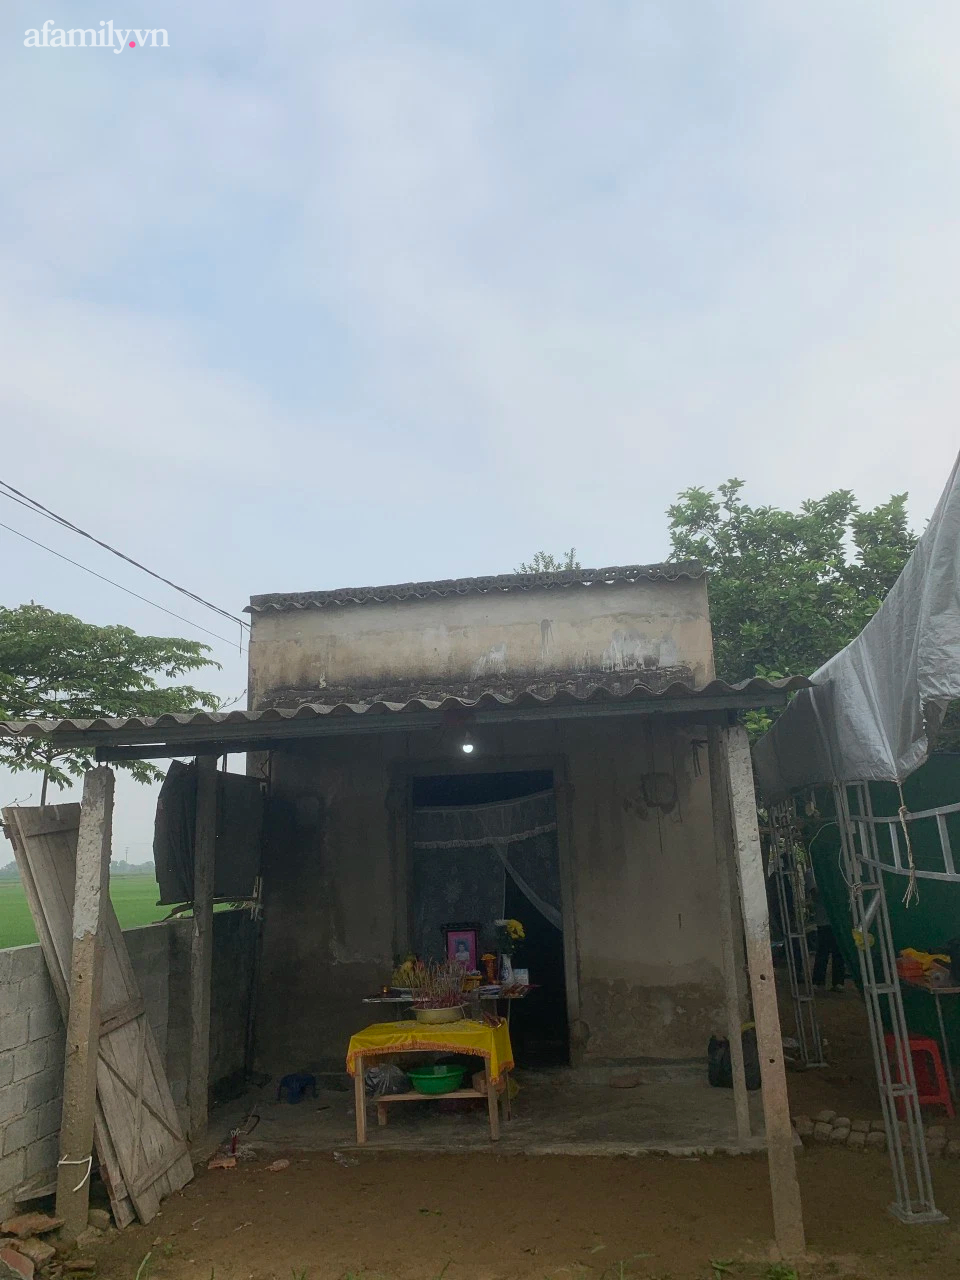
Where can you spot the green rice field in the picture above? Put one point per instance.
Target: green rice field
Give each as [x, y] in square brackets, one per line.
[134, 899]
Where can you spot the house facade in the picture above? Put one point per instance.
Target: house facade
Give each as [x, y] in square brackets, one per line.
[591, 683]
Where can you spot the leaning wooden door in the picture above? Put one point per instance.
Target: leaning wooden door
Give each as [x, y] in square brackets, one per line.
[140, 1144]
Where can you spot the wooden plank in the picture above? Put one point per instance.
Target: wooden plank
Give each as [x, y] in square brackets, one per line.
[83, 1019]
[784, 1187]
[49, 860]
[723, 844]
[54, 829]
[126, 1013]
[201, 943]
[493, 1106]
[360, 1101]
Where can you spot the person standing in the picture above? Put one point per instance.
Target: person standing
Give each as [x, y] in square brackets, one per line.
[828, 949]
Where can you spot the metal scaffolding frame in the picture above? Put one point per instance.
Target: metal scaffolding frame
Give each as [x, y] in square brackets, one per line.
[871, 846]
[789, 877]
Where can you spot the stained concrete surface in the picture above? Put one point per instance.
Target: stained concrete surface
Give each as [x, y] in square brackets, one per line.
[553, 1114]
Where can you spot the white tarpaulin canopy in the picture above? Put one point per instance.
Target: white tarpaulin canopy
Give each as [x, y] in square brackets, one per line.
[875, 704]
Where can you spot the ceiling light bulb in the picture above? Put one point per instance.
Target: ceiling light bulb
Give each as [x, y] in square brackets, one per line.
[466, 746]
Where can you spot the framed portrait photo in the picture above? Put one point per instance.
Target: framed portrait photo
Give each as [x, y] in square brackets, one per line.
[461, 945]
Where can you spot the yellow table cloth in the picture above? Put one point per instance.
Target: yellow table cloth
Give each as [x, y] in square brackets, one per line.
[476, 1038]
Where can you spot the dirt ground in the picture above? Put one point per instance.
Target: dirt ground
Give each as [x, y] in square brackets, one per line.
[485, 1217]
[476, 1215]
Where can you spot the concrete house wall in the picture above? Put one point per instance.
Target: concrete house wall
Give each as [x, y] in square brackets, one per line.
[634, 815]
[465, 644]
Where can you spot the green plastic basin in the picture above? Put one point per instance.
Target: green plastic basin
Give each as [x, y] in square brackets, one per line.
[442, 1079]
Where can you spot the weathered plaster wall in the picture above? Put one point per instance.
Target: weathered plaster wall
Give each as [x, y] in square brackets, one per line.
[463, 644]
[642, 874]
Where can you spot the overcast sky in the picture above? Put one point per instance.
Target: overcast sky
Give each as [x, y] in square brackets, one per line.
[368, 291]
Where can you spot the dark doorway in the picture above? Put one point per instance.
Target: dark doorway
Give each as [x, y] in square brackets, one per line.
[473, 884]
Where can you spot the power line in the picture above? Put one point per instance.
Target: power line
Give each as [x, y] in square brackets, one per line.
[120, 586]
[15, 495]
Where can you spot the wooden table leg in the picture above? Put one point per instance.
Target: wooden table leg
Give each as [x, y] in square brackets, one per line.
[493, 1106]
[507, 1107]
[360, 1101]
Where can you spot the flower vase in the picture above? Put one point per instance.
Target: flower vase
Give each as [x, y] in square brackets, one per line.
[506, 970]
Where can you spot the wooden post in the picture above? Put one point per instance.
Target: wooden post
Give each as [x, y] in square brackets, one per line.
[729, 920]
[360, 1100]
[784, 1187]
[83, 1018]
[201, 943]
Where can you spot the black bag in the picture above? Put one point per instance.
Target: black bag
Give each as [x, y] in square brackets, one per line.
[720, 1068]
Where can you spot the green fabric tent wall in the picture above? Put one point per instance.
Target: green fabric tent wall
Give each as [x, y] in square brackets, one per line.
[927, 924]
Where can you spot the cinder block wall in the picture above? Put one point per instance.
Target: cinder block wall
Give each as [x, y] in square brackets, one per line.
[32, 1034]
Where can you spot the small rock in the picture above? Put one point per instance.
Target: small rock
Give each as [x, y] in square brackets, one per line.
[936, 1147]
[222, 1162]
[860, 1126]
[804, 1127]
[15, 1266]
[877, 1126]
[624, 1080]
[953, 1149]
[936, 1131]
[37, 1250]
[100, 1218]
[842, 1122]
[278, 1165]
[80, 1264]
[822, 1131]
[839, 1136]
[825, 1117]
[857, 1139]
[877, 1139]
[30, 1224]
[87, 1237]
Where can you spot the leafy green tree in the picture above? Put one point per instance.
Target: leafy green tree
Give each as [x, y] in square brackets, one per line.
[788, 589]
[544, 562]
[53, 666]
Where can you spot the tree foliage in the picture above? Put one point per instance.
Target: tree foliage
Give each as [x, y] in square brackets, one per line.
[53, 666]
[544, 562]
[788, 589]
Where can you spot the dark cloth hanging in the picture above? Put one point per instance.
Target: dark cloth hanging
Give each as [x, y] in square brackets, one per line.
[239, 834]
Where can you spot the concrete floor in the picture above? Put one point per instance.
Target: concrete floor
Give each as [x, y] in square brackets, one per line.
[554, 1113]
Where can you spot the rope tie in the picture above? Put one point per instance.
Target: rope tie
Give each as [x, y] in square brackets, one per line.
[912, 893]
[87, 1160]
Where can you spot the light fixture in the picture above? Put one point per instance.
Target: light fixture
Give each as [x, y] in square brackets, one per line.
[466, 746]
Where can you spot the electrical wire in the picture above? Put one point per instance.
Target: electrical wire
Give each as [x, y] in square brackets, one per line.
[120, 586]
[31, 504]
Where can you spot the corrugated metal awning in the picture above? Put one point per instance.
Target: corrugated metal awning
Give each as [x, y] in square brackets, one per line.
[183, 733]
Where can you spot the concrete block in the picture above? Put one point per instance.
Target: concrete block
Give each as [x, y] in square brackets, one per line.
[952, 1151]
[842, 1122]
[44, 1087]
[11, 1171]
[857, 1139]
[20, 1133]
[42, 1154]
[49, 1118]
[36, 991]
[6, 1068]
[30, 1059]
[936, 1147]
[9, 992]
[877, 1126]
[936, 1131]
[44, 1020]
[804, 1126]
[26, 962]
[838, 1136]
[14, 1030]
[860, 1126]
[825, 1117]
[12, 1102]
[822, 1131]
[877, 1140]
